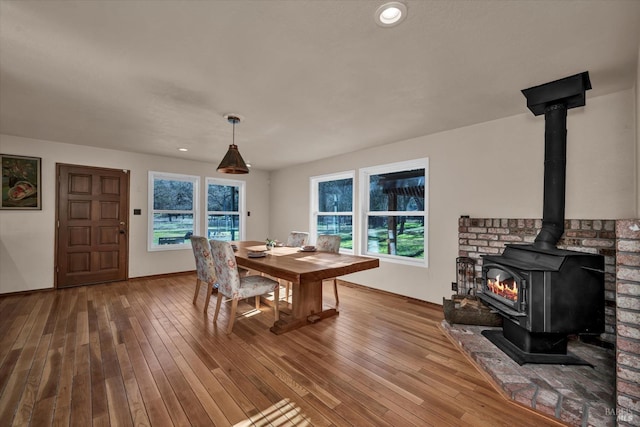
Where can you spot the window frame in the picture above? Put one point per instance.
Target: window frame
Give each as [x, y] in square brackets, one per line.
[195, 180]
[365, 213]
[241, 203]
[314, 212]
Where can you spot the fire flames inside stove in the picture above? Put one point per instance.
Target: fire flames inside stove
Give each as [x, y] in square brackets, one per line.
[506, 288]
[501, 283]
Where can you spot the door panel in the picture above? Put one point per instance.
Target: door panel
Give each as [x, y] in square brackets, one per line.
[92, 216]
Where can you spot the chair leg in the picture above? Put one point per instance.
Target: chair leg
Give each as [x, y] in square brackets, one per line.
[257, 302]
[195, 296]
[276, 302]
[232, 315]
[335, 290]
[209, 292]
[218, 303]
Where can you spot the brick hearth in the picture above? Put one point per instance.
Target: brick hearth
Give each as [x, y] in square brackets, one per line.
[577, 395]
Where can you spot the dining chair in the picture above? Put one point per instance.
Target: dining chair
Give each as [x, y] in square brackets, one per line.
[297, 239]
[234, 287]
[330, 243]
[205, 271]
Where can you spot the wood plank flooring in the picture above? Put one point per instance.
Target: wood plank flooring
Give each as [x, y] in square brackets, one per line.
[140, 353]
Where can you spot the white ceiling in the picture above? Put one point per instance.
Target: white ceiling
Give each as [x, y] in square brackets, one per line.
[311, 79]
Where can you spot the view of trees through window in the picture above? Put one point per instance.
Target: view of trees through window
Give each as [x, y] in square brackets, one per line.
[173, 209]
[335, 210]
[223, 211]
[396, 213]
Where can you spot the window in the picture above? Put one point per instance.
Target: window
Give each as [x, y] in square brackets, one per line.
[332, 207]
[173, 210]
[225, 209]
[394, 207]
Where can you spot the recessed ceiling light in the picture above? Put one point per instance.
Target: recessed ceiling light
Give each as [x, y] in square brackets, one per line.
[183, 149]
[391, 14]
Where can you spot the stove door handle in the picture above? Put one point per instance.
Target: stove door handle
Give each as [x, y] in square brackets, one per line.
[594, 270]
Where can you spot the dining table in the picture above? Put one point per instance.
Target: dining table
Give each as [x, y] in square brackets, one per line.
[305, 269]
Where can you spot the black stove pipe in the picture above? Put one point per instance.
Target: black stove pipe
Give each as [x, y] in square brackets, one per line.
[555, 173]
[554, 99]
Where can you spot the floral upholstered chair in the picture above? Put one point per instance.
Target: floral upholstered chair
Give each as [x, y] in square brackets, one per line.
[330, 243]
[204, 267]
[297, 239]
[234, 287]
[205, 270]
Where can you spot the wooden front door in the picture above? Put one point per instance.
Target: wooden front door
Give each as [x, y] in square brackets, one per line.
[92, 225]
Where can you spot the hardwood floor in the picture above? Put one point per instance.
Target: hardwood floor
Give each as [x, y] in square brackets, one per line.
[140, 353]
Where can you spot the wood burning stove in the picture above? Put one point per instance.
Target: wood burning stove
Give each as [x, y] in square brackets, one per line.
[543, 293]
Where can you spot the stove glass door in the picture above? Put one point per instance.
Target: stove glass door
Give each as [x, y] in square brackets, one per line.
[502, 284]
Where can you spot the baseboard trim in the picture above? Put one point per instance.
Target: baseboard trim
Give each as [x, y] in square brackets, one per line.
[160, 276]
[380, 291]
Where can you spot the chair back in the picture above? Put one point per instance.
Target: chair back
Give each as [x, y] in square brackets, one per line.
[226, 268]
[328, 243]
[204, 261]
[297, 238]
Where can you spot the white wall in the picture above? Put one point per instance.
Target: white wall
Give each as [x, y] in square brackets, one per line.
[27, 237]
[493, 169]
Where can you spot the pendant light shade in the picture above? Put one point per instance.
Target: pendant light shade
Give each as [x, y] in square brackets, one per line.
[232, 161]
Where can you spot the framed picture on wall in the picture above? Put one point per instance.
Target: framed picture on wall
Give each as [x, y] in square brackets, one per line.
[21, 182]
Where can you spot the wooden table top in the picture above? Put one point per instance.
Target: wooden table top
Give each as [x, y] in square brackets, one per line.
[296, 266]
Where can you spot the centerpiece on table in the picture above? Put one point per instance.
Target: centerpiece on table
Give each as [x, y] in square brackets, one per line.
[271, 243]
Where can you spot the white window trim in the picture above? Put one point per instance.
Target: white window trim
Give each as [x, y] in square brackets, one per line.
[313, 222]
[153, 175]
[364, 175]
[241, 203]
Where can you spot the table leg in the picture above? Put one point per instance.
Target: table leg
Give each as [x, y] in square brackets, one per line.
[306, 307]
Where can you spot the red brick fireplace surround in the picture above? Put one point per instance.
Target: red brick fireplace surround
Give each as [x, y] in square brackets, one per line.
[609, 393]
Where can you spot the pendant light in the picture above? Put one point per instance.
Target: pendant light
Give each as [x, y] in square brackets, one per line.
[232, 161]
